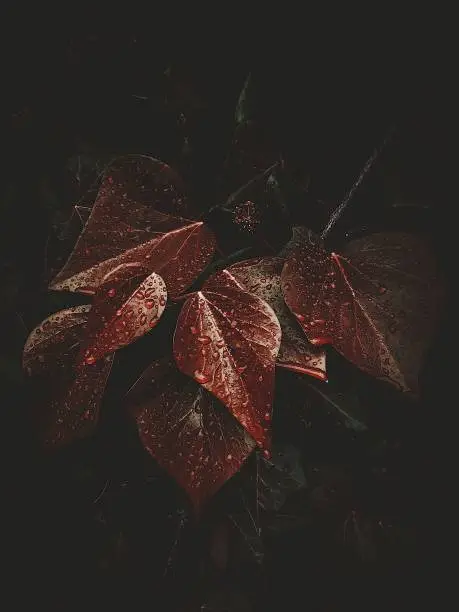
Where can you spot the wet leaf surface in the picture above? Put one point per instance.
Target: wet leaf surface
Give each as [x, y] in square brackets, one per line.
[128, 304]
[66, 398]
[263, 278]
[192, 436]
[228, 340]
[128, 224]
[376, 303]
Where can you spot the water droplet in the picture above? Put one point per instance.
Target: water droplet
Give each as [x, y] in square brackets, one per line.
[320, 340]
[111, 292]
[267, 416]
[204, 339]
[229, 457]
[267, 453]
[119, 312]
[162, 300]
[90, 359]
[149, 304]
[300, 317]
[241, 369]
[318, 322]
[260, 378]
[200, 377]
[193, 329]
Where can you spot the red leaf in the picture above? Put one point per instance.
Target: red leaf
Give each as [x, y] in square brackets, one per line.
[187, 430]
[376, 303]
[126, 306]
[68, 398]
[123, 229]
[227, 340]
[262, 277]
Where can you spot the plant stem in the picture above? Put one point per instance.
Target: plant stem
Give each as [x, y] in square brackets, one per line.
[350, 194]
[230, 200]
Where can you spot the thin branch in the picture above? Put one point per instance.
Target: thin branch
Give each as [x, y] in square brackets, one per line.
[366, 168]
[231, 199]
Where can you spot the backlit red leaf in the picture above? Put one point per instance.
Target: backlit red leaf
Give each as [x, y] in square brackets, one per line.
[227, 339]
[187, 431]
[126, 306]
[67, 397]
[376, 303]
[262, 277]
[127, 226]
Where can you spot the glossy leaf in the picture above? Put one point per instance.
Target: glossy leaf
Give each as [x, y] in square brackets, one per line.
[227, 339]
[130, 223]
[68, 397]
[376, 303]
[262, 277]
[187, 430]
[126, 306]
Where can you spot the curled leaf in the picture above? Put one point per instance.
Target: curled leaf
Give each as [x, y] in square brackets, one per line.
[68, 398]
[126, 306]
[376, 303]
[227, 339]
[127, 225]
[187, 430]
[262, 277]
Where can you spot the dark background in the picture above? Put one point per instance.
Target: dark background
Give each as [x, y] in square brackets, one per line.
[92, 90]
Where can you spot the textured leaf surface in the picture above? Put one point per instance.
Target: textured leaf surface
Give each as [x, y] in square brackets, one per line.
[228, 340]
[68, 397]
[127, 225]
[126, 306]
[262, 277]
[376, 303]
[187, 430]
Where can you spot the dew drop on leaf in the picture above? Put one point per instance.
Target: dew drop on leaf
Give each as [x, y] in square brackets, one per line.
[200, 377]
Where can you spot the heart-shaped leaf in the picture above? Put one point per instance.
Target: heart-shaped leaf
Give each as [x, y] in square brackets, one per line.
[376, 303]
[68, 397]
[187, 430]
[126, 306]
[227, 339]
[263, 278]
[125, 226]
